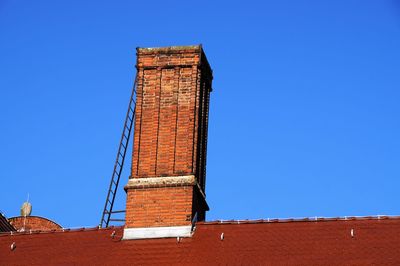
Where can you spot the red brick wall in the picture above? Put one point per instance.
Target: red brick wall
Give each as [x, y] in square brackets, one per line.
[33, 223]
[171, 112]
[153, 207]
[170, 136]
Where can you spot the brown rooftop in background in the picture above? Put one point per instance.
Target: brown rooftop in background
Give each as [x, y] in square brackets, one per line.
[5, 225]
[36, 223]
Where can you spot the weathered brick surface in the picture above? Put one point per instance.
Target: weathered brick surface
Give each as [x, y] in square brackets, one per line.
[168, 206]
[170, 136]
[34, 223]
[171, 112]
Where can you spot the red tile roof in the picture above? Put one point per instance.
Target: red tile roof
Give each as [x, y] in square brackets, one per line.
[352, 241]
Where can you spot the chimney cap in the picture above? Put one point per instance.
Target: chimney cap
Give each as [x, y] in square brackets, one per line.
[169, 49]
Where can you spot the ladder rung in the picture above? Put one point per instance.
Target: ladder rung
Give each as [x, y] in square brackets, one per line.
[118, 211]
[117, 220]
[122, 148]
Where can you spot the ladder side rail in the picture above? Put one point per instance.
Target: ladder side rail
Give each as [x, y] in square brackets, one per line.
[121, 166]
[116, 175]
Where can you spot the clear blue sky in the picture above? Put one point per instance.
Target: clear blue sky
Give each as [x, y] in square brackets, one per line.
[304, 118]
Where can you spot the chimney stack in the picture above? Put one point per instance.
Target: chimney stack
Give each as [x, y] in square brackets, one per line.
[166, 189]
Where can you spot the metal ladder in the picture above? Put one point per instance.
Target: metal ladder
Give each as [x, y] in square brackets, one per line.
[119, 163]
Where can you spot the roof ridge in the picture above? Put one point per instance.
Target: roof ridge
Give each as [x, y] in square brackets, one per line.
[303, 219]
[63, 230]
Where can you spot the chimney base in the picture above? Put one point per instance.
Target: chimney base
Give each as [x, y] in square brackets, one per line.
[157, 232]
[164, 202]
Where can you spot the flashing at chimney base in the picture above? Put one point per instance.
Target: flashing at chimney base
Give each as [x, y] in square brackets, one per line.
[157, 232]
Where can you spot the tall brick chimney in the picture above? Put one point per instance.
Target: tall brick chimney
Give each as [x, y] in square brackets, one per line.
[165, 191]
